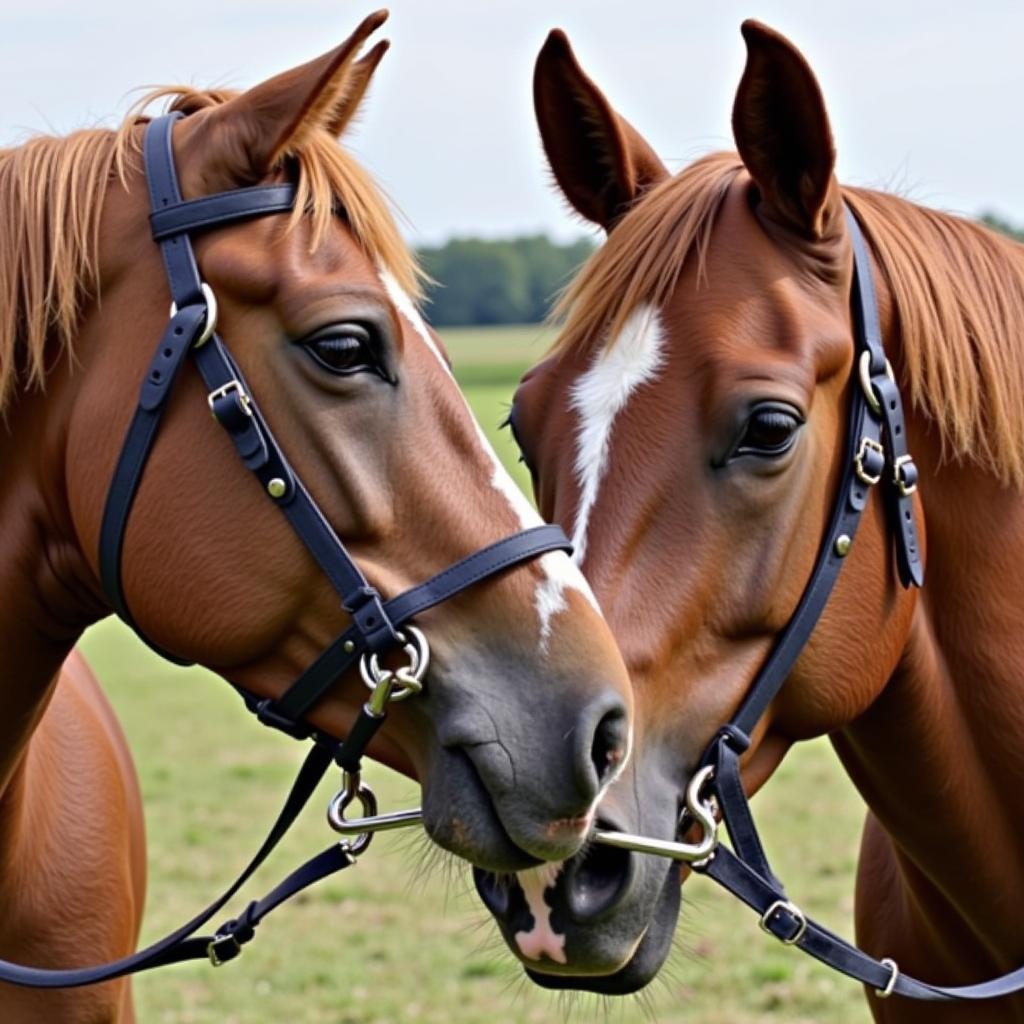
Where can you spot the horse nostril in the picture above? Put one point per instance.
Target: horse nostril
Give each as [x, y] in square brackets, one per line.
[608, 747]
[597, 881]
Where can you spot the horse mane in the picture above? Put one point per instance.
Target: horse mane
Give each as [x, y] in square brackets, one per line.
[957, 290]
[52, 191]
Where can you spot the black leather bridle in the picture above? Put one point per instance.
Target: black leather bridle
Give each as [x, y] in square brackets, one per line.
[876, 453]
[376, 622]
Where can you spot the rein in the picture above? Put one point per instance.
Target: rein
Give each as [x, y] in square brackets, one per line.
[377, 623]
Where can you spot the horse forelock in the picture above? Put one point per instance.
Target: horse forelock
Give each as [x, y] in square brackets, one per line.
[52, 194]
[957, 290]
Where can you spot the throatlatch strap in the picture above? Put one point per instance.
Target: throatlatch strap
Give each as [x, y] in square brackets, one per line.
[184, 327]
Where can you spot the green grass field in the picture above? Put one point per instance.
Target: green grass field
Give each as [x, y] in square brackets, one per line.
[400, 937]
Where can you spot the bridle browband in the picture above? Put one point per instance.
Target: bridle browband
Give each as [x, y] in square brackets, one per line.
[377, 624]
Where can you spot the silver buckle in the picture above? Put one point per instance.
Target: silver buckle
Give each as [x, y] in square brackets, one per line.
[387, 685]
[224, 390]
[794, 911]
[867, 444]
[890, 985]
[864, 369]
[211, 315]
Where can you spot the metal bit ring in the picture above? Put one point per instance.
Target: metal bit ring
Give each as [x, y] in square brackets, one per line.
[402, 682]
[352, 789]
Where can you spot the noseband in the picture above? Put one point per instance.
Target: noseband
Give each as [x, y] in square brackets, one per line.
[377, 624]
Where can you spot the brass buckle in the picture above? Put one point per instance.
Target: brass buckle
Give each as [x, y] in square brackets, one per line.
[867, 444]
[224, 390]
[223, 948]
[904, 489]
[794, 911]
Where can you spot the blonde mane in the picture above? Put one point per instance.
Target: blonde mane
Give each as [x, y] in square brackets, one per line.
[51, 199]
[957, 289]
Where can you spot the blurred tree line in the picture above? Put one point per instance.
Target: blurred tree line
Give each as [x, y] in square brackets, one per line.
[506, 281]
[514, 280]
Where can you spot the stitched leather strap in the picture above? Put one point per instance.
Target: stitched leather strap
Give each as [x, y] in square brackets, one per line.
[177, 338]
[876, 443]
[758, 888]
[899, 503]
[867, 457]
[220, 209]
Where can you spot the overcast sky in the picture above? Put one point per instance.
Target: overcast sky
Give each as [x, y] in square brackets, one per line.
[925, 97]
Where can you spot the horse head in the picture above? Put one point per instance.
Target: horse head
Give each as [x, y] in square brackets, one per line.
[525, 713]
[689, 431]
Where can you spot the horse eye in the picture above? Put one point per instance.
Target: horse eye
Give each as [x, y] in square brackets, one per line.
[770, 431]
[345, 349]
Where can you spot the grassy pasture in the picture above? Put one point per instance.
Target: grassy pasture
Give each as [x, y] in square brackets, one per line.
[400, 937]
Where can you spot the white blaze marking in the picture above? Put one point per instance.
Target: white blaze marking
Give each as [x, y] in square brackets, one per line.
[600, 394]
[559, 570]
[541, 939]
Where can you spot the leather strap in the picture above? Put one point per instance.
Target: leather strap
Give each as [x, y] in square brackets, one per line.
[223, 208]
[342, 654]
[162, 182]
[867, 457]
[181, 944]
[899, 499]
[757, 887]
[846, 516]
[178, 337]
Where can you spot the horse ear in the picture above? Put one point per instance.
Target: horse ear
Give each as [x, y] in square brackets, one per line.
[782, 132]
[358, 83]
[600, 161]
[276, 118]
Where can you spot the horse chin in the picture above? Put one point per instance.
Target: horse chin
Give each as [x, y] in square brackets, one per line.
[608, 932]
[647, 959]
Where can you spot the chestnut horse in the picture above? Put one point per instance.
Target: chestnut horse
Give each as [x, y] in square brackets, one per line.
[319, 306]
[689, 431]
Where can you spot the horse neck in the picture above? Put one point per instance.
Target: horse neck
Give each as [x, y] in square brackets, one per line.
[938, 756]
[45, 606]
